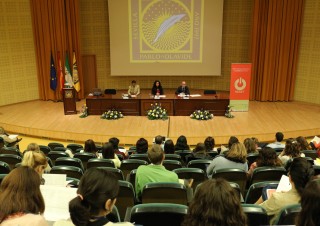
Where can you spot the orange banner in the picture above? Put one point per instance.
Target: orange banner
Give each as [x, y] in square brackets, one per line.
[240, 81]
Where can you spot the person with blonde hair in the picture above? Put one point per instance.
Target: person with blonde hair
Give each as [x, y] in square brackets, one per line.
[36, 161]
[235, 158]
[33, 147]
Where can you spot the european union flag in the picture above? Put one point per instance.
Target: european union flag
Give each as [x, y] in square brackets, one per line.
[53, 75]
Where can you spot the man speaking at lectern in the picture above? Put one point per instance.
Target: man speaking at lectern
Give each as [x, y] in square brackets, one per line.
[183, 89]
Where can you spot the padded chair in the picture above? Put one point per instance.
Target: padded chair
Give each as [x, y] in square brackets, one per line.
[158, 214]
[110, 91]
[100, 163]
[183, 154]
[130, 164]
[74, 147]
[125, 198]
[255, 190]
[310, 153]
[4, 168]
[288, 215]
[132, 148]
[316, 170]
[49, 162]
[45, 149]
[60, 149]
[161, 192]
[267, 173]
[53, 155]
[172, 164]
[198, 175]
[233, 175]
[256, 215]
[209, 91]
[212, 154]
[117, 172]
[251, 158]
[278, 150]
[120, 157]
[52, 145]
[10, 150]
[2, 176]
[140, 156]
[73, 182]
[84, 157]
[173, 157]
[70, 171]
[132, 177]
[309, 159]
[10, 159]
[199, 163]
[67, 161]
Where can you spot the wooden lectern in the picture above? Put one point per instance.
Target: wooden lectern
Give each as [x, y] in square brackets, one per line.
[69, 101]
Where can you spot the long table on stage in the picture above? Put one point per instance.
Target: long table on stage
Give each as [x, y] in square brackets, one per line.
[217, 104]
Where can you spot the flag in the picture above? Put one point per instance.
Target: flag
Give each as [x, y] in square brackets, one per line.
[76, 81]
[60, 74]
[53, 75]
[67, 75]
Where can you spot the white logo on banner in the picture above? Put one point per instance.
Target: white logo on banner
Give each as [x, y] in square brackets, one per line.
[240, 84]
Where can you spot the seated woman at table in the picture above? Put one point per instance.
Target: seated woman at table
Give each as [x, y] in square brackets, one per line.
[157, 88]
[21, 202]
[134, 88]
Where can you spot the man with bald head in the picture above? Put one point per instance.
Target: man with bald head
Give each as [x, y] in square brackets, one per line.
[183, 89]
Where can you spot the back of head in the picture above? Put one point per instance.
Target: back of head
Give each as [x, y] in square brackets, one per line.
[182, 143]
[90, 146]
[301, 172]
[279, 136]
[268, 157]
[237, 153]
[250, 145]
[142, 146]
[200, 148]
[310, 205]
[33, 147]
[108, 151]
[302, 143]
[232, 140]
[169, 147]
[95, 188]
[215, 203]
[115, 141]
[35, 160]
[156, 154]
[158, 139]
[291, 148]
[209, 143]
[23, 186]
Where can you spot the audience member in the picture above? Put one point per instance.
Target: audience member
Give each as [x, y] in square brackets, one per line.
[142, 146]
[169, 147]
[8, 141]
[134, 88]
[115, 142]
[232, 140]
[235, 158]
[108, 153]
[310, 205]
[182, 144]
[210, 143]
[250, 146]
[215, 203]
[198, 153]
[256, 141]
[290, 151]
[154, 172]
[37, 161]
[97, 194]
[21, 202]
[300, 172]
[183, 89]
[158, 140]
[267, 157]
[90, 147]
[157, 88]
[303, 144]
[277, 144]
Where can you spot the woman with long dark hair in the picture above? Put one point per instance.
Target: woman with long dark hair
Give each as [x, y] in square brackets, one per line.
[157, 88]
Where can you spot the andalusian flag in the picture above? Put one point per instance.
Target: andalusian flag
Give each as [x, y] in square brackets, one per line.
[60, 73]
[67, 75]
[53, 75]
[76, 81]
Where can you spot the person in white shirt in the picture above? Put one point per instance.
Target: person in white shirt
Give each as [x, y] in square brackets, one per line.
[277, 143]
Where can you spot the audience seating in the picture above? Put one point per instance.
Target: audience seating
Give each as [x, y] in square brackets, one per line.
[99, 148]
[132, 177]
[288, 215]
[130, 164]
[140, 156]
[10, 150]
[2, 176]
[95, 162]
[45, 149]
[255, 190]
[183, 154]
[172, 164]
[74, 147]
[68, 161]
[173, 157]
[49, 162]
[52, 145]
[117, 172]
[256, 214]
[267, 173]
[60, 149]
[10, 159]
[4, 168]
[84, 157]
[212, 154]
[199, 163]
[132, 148]
[316, 170]
[158, 214]
[310, 153]
[73, 182]
[237, 188]
[114, 215]
[198, 175]
[125, 198]
[160, 192]
[278, 150]
[251, 158]
[53, 155]
[70, 171]
[120, 157]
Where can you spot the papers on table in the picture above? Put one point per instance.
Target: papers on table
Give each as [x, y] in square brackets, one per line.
[13, 136]
[55, 179]
[195, 95]
[284, 184]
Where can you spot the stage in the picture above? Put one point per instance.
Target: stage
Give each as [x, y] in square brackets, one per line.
[45, 119]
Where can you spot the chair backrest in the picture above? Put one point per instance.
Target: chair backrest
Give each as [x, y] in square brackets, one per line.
[10, 159]
[233, 175]
[316, 170]
[68, 161]
[212, 154]
[251, 158]
[140, 156]
[255, 190]
[309, 159]
[60, 149]
[310, 153]
[132, 148]
[199, 163]
[158, 214]
[267, 173]
[183, 154]
[50, 162]
[114, 215]
[45, 149]
[173, 157]
[209, 91]
[110, 91]
[160, 192]
[52, 145]
[256, 214]
[70, 171]
[172, 164]
[198, 175]
[132, 177]
[100, 163]
[125, 198]
[10, 150]
[74, 147]
[53, 155]
[130, 164]
[4, 168]
[288, 214]
[2, 176]
[117, 172]
[84, 157]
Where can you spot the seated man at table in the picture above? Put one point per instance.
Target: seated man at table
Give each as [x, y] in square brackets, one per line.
[134, 89]
[154, 172]
[183, 89]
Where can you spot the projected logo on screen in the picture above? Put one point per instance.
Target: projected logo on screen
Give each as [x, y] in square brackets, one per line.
[165, 30]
